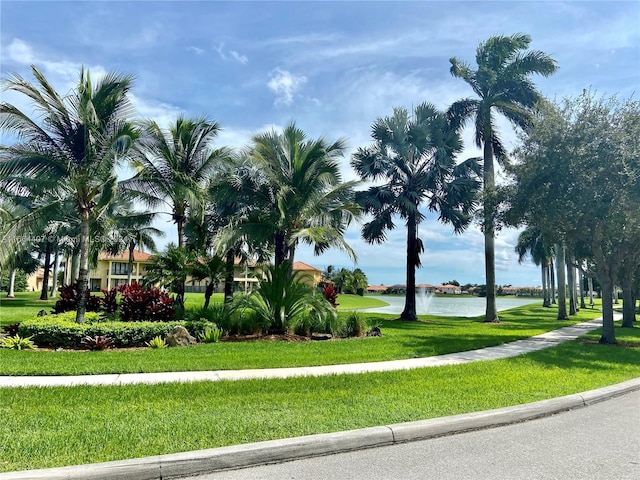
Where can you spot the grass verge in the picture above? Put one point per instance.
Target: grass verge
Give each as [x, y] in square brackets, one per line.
[400, 340]
[48, 427]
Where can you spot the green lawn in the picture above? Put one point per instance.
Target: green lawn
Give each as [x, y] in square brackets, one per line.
[47, 427]
[431, 336]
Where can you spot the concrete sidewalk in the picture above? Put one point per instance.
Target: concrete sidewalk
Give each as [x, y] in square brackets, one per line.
[507, 350]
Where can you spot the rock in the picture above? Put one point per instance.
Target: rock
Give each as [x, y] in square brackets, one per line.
[42, 313]
[180, 337]
[374, 332]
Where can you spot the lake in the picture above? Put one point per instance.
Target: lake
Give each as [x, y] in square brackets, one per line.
[448, 306]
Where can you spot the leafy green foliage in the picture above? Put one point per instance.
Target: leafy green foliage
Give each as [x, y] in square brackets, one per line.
[211, 335]
[282, 300]
[17, 343]
[56, 332]
[157, 342]
[99, 342]
[330, 295]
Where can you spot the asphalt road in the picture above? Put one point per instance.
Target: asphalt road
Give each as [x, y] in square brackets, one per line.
[599, 442]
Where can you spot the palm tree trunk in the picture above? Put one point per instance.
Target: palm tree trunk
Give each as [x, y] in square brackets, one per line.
[228, 276]
[207, 294]
[83, 274]
[545, 287]
[12, 283]
[608, 331]
[590, 286]
[562, 284]
[553, 283]
[491, 314]
[581, 282]
[280, 248]
[44, 295]
[409, 312]
[571, 281]
[56, 268]
[132, 247]
[628, 302]
[180, 224]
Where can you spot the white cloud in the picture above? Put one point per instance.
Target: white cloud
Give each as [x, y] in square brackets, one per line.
[240, 58]
[20, 52]
[196, 50]
[285, 85]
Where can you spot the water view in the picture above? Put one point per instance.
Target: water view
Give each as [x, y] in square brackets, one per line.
[448, 306]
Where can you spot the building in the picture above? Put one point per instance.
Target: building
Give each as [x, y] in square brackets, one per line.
[449, 289]
[113, 270]
[377, 289]
[245, 278]
[309, 274]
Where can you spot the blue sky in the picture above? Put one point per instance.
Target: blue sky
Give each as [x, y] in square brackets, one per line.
[333, 67]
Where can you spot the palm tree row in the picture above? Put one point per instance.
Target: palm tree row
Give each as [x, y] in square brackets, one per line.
[283, 189]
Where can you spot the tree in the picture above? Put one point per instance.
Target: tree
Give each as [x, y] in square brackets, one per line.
[170, 269]
[531, 241]
[299, 194]
[74, 148]
[415, 156]
[128, 229]
[210, 267]
[173, 167]
[502, 83]
[578, 177]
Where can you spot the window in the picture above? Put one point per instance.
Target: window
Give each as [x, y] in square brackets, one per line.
[119, 268]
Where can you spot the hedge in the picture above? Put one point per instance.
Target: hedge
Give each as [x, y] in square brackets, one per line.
[61, 331]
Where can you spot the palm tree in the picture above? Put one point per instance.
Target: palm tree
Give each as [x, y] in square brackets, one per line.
[416, 157]
[73, 149]
[211, 267]
[173, 167]
[298, 194]
[531, 241]
[502, 84]
[129, 229]
[170, 269]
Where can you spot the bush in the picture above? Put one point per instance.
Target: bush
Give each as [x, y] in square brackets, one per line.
[157, 342]
[211, 335]
[99, 342]
[217, 313]
[139, 303]
[11, 329]
[70, 297]
[56, 331]
[17, 343]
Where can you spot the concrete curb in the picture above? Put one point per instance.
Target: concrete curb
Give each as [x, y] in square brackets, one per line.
[274, 451]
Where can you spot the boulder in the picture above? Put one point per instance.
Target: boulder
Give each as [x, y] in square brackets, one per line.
[180, 337]
[374, 332]
[321, 336]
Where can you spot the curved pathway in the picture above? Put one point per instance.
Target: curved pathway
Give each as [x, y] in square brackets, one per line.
[506, 350]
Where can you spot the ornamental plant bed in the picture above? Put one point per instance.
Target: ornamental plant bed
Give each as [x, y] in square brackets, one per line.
[286, 337]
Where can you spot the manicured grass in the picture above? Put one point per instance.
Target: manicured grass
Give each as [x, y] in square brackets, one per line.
[432, 336]
[47, 427]
[354, 302]
[25, 305]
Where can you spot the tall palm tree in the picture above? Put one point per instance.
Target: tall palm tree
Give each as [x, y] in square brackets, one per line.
[73, 148]
[415, 156]
[298, 193]
[502, 83]
[531, 241]
[126, 229]
[173, 167]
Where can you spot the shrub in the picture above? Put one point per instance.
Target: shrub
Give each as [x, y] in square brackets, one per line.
[139, 303]
[110, 301]
[99, 342]
[211, 335]
[17, 343]
[330, 294]
[70, 297]
[157, 342]
[282, 300]
[57, 332]
[11, 329]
